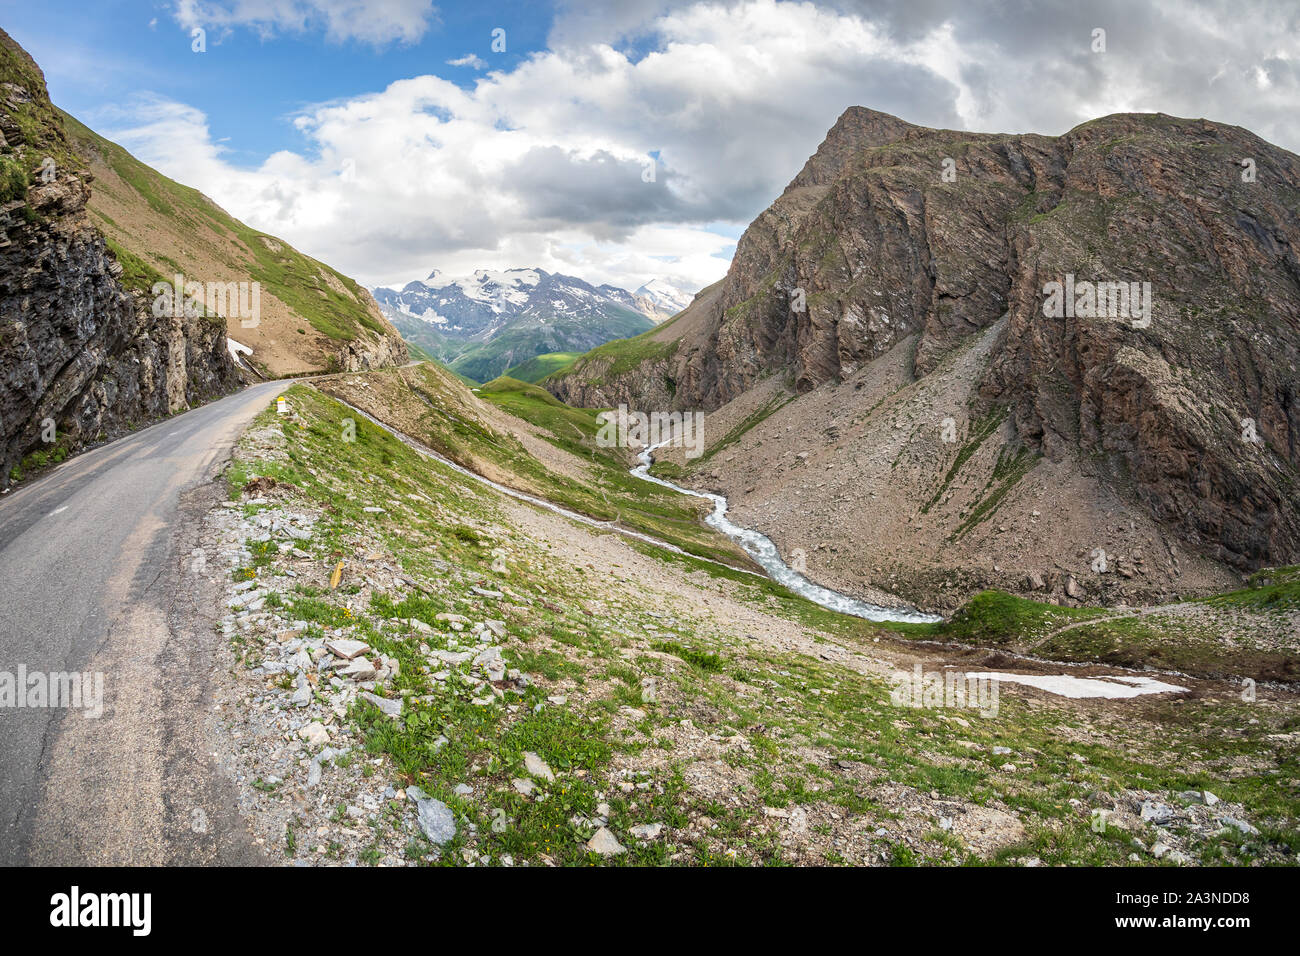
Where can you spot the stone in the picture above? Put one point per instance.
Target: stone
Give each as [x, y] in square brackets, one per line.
[390, 708]
[605, 843]
[524, 785]
[537, 767]
[346, 649]
[647, 831]
[1240, 825]
[1157, 813]
[359, 669]
[301, 696]
[436, 820]
[314, 734]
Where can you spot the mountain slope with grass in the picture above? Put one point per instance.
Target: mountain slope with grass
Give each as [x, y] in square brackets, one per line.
[897, 390]
[82, 356]
[312, 317]
[419, 670]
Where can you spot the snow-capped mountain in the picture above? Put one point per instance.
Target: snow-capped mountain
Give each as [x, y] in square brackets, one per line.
[667, 298]
[485, 323]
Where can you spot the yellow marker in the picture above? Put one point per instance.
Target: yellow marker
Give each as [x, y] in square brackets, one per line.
[281, 405]
[337, 576]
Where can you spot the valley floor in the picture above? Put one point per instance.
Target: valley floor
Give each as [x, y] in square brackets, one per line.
[534, 691]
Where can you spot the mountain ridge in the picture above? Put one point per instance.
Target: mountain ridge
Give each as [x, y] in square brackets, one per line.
[883, 252]
[482, 324]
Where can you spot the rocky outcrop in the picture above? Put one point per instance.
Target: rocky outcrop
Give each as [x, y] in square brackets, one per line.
[82, 358]
[893, 231]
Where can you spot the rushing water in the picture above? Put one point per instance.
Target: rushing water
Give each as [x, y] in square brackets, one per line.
[762, 550]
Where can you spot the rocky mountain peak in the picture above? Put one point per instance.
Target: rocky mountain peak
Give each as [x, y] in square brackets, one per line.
[858, 128]
[896, 235]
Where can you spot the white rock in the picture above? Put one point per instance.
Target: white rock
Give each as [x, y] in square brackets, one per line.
[647, 831]
[346, 649]
[315, 734]
[605, 843]
[391, 708]
[537, 767]
[359, 669]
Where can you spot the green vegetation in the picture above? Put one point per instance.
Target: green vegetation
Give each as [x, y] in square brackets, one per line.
[540, 366]
[1011, 466]
[137, 275]
[13, 180]
[786, 731]
[37, 461]
[623, 355]
[999, 619]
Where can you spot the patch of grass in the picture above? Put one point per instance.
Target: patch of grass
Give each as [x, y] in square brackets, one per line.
[541, 366]
[704, 660]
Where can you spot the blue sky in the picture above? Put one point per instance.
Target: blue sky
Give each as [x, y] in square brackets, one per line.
[98, 52]
[619, 141]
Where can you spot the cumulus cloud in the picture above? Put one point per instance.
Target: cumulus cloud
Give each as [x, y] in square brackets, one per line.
[545, 164]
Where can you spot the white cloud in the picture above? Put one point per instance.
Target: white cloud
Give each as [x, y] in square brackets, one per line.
[371, 21]
[469, 59]
[542, 165]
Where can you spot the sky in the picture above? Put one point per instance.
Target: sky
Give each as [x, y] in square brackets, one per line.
[615, 141]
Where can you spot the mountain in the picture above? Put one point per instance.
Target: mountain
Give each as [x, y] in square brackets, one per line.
[82, 356]
[666, 299]
[483, 324]
[312, 318]
[898, 385]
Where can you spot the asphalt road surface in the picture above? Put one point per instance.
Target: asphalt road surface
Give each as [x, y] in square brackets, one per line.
[95, 578]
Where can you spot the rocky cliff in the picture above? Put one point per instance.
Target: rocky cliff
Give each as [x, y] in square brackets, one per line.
[1183, 395]
[82, 356]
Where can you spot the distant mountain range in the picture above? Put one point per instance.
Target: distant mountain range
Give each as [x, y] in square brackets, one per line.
[483, 324]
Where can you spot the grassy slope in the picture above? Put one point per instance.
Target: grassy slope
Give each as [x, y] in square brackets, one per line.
[540, 366]
[426, 403]
[794, 721]
[622, 355]
[186, 217]
[991, 619]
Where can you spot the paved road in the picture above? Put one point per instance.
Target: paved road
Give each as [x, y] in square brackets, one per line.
[92, 560]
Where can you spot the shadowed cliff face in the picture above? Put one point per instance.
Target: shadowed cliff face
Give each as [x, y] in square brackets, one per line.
[81, 357]
[893, 230]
